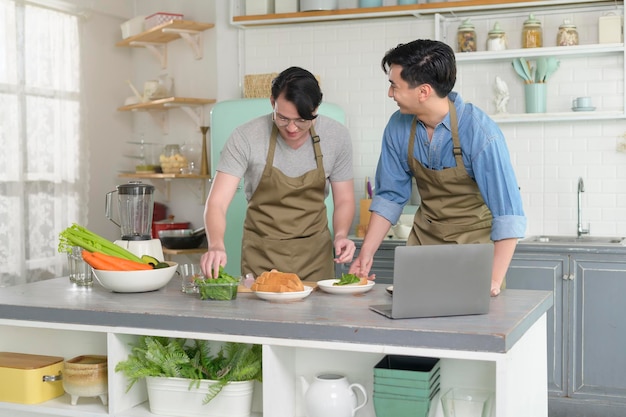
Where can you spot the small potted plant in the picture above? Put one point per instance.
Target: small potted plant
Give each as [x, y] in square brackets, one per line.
[184, 378]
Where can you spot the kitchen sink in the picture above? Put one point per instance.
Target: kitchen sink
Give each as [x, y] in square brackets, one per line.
[573, 240]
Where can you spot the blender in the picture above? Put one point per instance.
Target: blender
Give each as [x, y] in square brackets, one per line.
[135, 206]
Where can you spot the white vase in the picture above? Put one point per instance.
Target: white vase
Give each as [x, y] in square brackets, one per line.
[173, 397]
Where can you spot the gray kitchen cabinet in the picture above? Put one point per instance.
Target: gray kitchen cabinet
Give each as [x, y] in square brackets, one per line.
[586, 327]
[383, 260]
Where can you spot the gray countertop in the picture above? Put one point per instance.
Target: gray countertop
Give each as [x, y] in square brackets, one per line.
[320, 317]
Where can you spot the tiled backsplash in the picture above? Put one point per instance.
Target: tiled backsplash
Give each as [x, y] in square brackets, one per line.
[548, 157]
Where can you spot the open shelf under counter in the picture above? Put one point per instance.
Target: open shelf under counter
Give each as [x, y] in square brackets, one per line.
[395, 11]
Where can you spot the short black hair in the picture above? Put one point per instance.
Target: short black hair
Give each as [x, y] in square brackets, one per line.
[299, 87]
[424, 61]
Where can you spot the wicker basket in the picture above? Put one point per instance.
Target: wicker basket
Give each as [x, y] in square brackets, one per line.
[258, 85]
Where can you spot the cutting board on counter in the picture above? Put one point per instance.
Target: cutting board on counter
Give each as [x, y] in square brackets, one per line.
[243, 288]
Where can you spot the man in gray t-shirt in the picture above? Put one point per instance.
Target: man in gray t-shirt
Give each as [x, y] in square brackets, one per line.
[288, 160]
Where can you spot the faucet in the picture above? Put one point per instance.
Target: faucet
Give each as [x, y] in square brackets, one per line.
[580, 230]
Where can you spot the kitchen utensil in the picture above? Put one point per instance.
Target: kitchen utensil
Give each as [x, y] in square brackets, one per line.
[331, 395]
[135, 281]
[170, 224]
[135, 206]
[327, 286]
[181, 238]
[519, 68]
[552, 66]
[526, 69]
[542, 68]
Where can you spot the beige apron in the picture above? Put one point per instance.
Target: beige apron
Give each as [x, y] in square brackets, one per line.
[286, 227]
[452, 209]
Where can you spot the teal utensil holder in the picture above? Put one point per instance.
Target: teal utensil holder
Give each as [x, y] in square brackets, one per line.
[535, 97]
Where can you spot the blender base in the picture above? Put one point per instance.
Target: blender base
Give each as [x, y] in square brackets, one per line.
[150, 247]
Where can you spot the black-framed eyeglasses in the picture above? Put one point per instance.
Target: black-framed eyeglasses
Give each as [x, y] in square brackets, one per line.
[282, 121]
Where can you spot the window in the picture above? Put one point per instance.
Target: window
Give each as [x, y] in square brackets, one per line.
[43, 175]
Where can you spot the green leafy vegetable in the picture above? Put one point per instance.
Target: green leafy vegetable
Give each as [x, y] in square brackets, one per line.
[347, 279]
[76, 235]
[224, 287]
[192, 359]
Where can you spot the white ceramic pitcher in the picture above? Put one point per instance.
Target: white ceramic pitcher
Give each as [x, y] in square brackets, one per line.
[331, 395]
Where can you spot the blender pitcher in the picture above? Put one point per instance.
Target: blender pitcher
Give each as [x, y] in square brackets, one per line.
[135, 202]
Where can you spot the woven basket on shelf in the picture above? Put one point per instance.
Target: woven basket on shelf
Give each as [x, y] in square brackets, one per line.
[258, 85]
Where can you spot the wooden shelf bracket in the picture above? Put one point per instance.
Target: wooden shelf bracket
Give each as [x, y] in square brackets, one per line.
[159, 50]
[192, 37]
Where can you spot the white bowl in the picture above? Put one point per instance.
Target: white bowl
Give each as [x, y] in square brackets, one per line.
[135, 281]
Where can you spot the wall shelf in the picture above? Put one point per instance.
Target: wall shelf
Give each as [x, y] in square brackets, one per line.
[396, 11]
[162, 182]
[156, 39]
[193, 107]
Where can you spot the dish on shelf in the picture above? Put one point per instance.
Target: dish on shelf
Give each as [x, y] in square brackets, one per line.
[135, 281]
[327, 286]
[281, 297]
[583, 108]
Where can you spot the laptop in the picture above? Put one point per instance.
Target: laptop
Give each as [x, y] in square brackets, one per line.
[440, 280]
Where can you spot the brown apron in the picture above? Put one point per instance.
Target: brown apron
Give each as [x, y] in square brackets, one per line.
[452, 209]
[286, 227]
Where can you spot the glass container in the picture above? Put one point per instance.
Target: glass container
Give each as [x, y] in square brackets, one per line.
[567, 34]
[532, 33]
[496, 39]
[466, 37]
[172, 160]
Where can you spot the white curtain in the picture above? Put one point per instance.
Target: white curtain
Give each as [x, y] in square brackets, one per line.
[43, 170]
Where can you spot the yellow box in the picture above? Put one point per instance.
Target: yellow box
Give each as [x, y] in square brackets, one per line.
[30, 379]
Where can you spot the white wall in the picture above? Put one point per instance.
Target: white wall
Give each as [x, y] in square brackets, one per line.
[548, 157]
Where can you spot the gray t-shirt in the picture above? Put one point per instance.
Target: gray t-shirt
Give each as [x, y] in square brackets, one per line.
[245, 152]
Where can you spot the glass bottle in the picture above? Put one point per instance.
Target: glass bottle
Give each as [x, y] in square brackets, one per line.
[532, 34]
[567, 34]
[172, 160]
[496, 39]
[466, 37]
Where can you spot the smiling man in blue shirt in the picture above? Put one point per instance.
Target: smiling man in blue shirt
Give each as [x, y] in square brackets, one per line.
[456, 153]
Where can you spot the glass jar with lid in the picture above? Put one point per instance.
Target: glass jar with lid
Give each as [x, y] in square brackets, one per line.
[172, 160]
[532, 33]
[496, 39]
[567, 34]
[466, 37]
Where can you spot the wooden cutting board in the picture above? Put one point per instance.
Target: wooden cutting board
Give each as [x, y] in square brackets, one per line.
[242, 288]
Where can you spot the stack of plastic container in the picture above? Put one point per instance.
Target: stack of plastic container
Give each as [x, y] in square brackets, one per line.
[404, 386]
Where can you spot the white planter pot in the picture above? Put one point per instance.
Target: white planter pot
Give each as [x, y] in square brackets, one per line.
[172, 397]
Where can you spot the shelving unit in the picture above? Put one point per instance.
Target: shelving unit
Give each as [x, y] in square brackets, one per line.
[157, 38]
[193, 107]
[162, 182]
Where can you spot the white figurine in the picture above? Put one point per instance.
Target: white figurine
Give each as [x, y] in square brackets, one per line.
[502, 95]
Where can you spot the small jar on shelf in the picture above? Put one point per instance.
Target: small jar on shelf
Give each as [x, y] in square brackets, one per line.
[466, 37]
[567, 34]
[172, 160]
[496, 39]
[532, 33]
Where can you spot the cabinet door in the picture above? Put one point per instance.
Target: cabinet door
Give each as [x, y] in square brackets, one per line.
[538, 272]
[598, 347]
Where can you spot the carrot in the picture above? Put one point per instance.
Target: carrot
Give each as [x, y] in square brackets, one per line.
[98, 263]
[123, 264]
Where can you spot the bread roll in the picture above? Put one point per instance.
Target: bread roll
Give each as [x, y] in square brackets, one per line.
[276, 281]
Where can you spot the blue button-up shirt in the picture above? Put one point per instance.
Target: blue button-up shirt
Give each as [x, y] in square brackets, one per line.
[485, 155]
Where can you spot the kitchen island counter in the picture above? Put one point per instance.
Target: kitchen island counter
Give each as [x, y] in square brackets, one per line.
[511, 337]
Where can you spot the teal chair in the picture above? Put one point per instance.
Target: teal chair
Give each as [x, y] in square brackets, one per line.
[225, 117]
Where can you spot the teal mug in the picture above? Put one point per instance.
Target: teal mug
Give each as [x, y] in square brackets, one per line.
[370, 3]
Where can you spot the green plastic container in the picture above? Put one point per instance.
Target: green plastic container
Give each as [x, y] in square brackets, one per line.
[386, 406]
[415, 393]
[408, 368]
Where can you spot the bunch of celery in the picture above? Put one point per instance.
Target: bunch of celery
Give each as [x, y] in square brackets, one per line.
[76, 235]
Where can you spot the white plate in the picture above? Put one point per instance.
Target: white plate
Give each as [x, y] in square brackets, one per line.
[284, 296]
[327, 286]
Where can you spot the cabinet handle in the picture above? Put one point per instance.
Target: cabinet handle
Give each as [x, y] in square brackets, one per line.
[572, 276]
[565, 277]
